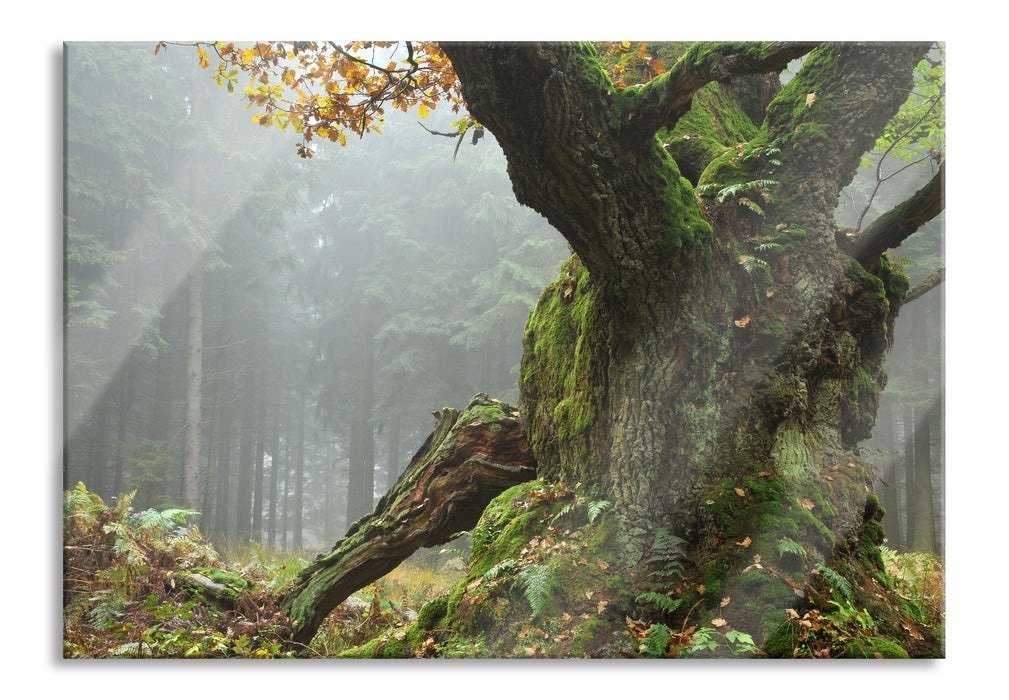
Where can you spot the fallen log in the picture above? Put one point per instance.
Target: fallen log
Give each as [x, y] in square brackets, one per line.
[470, 457]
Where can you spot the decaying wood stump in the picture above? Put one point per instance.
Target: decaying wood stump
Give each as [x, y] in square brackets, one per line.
[470, 457]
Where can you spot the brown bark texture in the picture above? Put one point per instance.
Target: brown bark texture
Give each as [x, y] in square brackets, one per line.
[470, 457]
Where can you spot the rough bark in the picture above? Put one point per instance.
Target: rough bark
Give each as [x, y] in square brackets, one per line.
[470, 457]
[657, 369]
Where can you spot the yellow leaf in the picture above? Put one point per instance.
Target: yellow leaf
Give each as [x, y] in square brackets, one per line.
[422, 110]
[739, 492]
[810, 99]
[719, 622]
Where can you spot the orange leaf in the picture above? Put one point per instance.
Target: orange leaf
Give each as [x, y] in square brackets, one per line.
[805, 503]
[725, 601]
[746, 542]
[739, 492]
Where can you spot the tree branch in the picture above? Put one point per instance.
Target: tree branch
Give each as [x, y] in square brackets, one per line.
[892, 228]
[470, 457]
[926, 285]
[663, 100]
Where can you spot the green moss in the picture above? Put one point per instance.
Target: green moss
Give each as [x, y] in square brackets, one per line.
[868, 648]
[432, 613]
[390, 645]
[714, 122]
[498, 517]
[780, 642]
[223, 577]
[558, 383]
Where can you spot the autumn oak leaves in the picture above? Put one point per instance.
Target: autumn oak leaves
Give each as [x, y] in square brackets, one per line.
[323, 89]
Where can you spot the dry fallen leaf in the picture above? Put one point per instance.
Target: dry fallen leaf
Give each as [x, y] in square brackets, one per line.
[742, 322]
[600, 606]
[725, 601]
[810, 99]
[746, 542]
[719, 622]
[805, 503]
[739, 492]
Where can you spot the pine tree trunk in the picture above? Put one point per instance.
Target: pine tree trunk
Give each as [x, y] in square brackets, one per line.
[194, 392]
[299, 481]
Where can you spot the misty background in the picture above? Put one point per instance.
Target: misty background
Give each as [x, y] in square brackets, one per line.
[339, 300]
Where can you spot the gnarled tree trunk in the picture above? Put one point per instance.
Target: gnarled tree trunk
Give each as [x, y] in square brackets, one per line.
[708, 368]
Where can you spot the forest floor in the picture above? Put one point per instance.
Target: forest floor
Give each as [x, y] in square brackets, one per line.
[126, 591]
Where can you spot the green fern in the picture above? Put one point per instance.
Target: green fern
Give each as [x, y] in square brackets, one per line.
[666, 559]
[165, 520]
[790, 547]
[110, 604]
[836, 580]
[566, 510]
[664, 603]
[81, 503]
[595, 509]
[502, 568]
[130, 650]
[534, 582]
[656, 641]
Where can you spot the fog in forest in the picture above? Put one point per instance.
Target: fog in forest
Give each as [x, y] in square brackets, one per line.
[310, 314]
[337, 300]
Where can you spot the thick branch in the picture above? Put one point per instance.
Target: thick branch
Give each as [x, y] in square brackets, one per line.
[926, 285]
[469, 458]
[663, 100]
[890, 230]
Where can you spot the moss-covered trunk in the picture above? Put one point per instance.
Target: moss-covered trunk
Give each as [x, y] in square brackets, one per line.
[707, 365]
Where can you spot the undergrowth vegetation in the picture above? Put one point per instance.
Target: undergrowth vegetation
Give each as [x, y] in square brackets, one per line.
[128, 593]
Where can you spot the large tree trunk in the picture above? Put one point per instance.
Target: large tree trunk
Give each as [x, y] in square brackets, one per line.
[716, 399]
[469, 458]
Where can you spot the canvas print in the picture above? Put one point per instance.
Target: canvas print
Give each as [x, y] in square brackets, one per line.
[507, 350]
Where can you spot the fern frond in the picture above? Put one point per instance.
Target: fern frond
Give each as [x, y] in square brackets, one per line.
[751, 205]
[595, 508]
[500, 569]
[836, 581]
[789, 546]
[534, 581]
[654, 645]
[664, 603]
[666, 559]
[566, 510]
